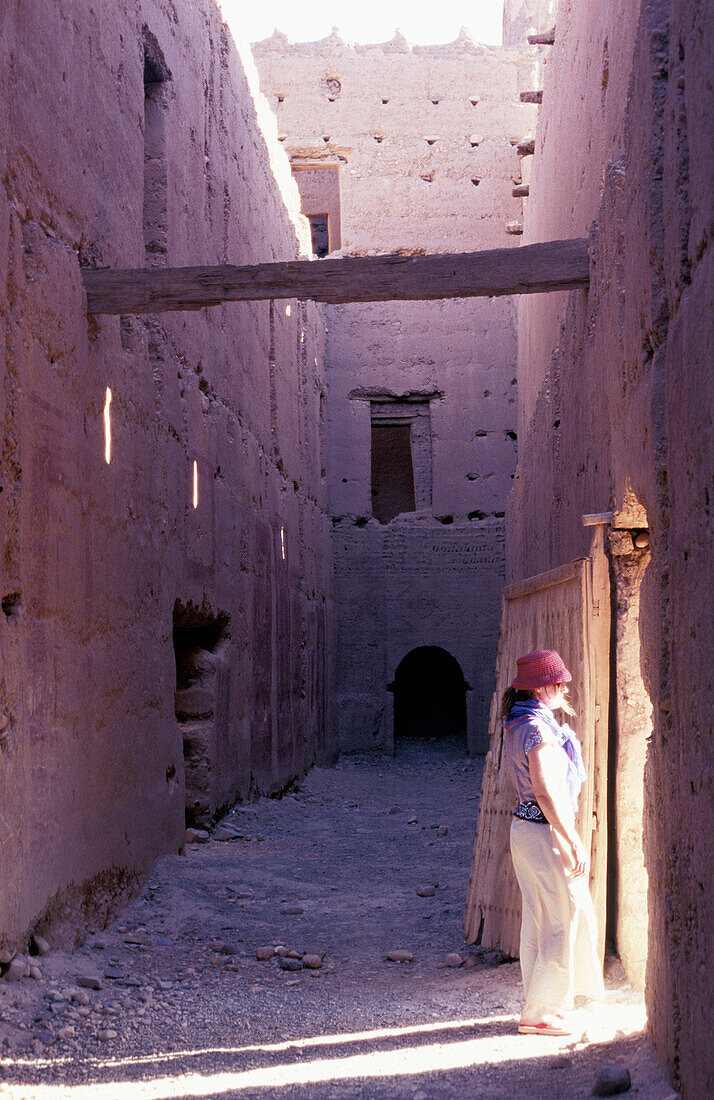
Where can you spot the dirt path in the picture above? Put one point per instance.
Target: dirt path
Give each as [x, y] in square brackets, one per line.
[186, 1010]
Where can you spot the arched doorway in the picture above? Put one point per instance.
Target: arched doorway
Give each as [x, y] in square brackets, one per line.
[429, 695]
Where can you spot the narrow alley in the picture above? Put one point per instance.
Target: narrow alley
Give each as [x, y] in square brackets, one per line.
[362, 860]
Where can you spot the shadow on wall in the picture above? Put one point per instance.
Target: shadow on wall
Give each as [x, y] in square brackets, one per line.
[201, 640]
[429, 695]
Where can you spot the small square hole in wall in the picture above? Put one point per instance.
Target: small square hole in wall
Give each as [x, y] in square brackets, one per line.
[384, 101]
[331, 87]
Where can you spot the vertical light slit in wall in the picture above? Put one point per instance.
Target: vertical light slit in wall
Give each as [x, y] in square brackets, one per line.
[195, 484]
[107, 427]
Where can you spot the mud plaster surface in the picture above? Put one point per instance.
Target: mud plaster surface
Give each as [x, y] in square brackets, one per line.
[340, 848]
[424, 138]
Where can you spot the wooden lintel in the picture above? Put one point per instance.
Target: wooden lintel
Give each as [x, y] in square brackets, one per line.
[531, 269]
[521, 191]
[526, 148]
[532, 97]
[596, 518]
[545, 39]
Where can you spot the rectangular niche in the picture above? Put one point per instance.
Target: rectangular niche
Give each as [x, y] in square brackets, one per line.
[400, 457]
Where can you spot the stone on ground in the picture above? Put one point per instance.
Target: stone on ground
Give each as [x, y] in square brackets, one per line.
[39, 946]
[290, 964]
[612, 1079]
[89, 981]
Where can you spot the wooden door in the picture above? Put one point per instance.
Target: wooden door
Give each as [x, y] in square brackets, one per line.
[567, 609]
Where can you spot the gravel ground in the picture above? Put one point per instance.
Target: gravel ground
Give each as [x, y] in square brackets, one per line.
[331, 869]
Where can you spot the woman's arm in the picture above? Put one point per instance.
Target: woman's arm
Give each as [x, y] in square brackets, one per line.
[545, 767]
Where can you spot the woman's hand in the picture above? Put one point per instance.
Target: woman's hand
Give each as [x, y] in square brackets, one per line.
[545, 765]
[579, 861]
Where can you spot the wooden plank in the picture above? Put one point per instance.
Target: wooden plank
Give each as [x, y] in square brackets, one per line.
[532, 97]
[545, 39]
[531, 269]
[559, 575]
[521, 191]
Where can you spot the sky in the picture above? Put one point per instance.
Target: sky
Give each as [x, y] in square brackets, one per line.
[422, 21]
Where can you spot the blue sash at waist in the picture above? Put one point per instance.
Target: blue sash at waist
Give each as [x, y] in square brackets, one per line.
[530, 811]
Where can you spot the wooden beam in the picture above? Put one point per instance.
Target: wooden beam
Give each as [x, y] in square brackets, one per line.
[526, 148]
[545, 39]
[521, 191]
[531, 269]
[532, 97]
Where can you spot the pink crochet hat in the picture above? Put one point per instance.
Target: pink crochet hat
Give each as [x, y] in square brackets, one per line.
[541, 667]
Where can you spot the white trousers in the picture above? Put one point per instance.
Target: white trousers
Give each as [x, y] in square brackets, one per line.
[559, 958]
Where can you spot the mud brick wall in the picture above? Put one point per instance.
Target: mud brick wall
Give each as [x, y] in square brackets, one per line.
[424, 142]
[616, 404]
[106, 567]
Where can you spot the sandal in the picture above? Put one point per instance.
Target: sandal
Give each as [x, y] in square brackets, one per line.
[555, 1026]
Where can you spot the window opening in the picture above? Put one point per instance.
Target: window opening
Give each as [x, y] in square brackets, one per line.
[400, 455]
[320, 202]
[320, 233]
[392, 471]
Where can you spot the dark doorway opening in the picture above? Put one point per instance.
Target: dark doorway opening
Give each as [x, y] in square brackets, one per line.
[429, 696]
[200, 641]
[392, 471]
[320, 232]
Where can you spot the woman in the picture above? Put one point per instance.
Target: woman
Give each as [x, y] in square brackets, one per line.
[558, 931]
